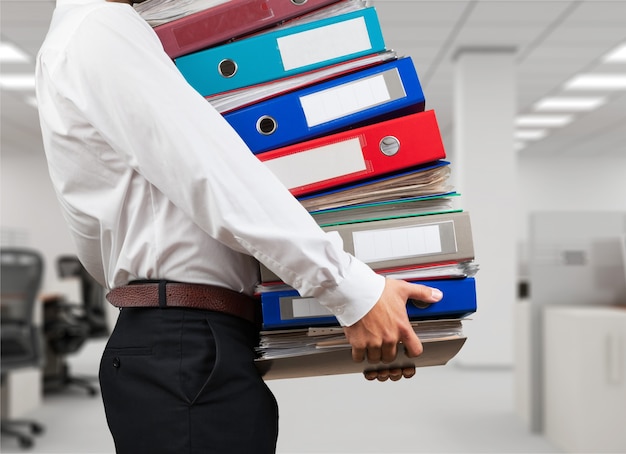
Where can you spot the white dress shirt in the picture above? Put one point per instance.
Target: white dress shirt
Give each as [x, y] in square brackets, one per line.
[155, 184]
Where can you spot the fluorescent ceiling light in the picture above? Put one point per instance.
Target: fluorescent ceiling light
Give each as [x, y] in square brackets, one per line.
[17, 81]
[597, 82]
[570, 104]
[10, 53]
[617, 55]
[529, 134]
[543, 120]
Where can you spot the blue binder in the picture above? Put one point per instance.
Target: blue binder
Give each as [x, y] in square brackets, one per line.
[287, 309]
[283, 52]
[373, 94]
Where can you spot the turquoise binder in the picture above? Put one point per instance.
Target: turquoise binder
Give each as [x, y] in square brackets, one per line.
[283, 52]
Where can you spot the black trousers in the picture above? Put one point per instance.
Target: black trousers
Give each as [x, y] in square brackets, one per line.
[178, 380]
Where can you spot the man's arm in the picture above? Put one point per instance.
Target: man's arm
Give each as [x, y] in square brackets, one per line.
[377, 334]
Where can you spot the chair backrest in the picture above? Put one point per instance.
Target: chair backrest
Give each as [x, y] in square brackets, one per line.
[20, 280]
[21, 272]
[92, 294]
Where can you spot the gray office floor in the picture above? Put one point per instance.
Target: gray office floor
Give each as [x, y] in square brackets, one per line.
[441, 410]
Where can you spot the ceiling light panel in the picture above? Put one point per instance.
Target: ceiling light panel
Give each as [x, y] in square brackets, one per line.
[597, 82]
[9, 53]
[543, 120]
[570, 104]
[617, 55]
[529, 134]
[17, 81]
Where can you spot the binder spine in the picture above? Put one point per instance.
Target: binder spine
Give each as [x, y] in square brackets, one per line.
[282, 53]
[287, 309]
[227, 21]
[397, 243]
[351, 155]
[331, 106]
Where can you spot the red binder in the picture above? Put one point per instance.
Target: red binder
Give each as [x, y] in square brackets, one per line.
[351, 155]
[228, 20]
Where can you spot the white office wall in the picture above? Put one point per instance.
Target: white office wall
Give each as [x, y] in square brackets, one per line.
[569, 184]
[28, 204]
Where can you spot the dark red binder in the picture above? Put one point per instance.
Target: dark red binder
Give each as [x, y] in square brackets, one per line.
[227, 21]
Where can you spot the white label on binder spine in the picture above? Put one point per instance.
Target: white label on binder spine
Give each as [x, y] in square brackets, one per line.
[395, 243]
[324, 43]
[308, 307]
[318, 164]
[343, 100]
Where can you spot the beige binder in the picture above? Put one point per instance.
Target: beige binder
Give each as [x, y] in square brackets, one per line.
[389, 244]
[437, 352]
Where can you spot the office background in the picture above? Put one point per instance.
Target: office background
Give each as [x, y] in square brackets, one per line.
[574, 162]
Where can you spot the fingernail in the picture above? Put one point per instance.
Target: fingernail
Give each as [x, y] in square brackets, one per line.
[436, 294]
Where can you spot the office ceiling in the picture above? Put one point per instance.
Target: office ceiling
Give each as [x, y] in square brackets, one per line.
[554, 40]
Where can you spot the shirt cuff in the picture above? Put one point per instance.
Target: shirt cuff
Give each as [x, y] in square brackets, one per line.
[355, 296]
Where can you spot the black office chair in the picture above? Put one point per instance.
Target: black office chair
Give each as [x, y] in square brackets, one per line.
[92, 293]
[69, 325]
[21, 339]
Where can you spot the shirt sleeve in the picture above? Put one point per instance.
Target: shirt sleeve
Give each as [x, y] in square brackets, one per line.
[139, 102]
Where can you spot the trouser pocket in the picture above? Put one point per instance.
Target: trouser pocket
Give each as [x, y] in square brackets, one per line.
[197, 356]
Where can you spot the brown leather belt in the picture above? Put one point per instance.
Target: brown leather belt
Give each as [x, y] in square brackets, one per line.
[178, 294]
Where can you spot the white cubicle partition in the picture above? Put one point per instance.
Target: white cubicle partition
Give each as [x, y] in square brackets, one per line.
[22, 392]
[575, 259]
[584, 377]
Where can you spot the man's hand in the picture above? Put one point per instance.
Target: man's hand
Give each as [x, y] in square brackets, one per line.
[377, 334]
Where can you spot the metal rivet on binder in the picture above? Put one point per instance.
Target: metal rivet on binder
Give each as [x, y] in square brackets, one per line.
[266, 125]
[298, 2]
[419, 304]
[389, 145]
[227, 68]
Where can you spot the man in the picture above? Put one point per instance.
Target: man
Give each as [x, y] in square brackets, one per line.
[170, 210]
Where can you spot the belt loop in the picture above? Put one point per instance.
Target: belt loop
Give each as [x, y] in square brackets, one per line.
[162, 294]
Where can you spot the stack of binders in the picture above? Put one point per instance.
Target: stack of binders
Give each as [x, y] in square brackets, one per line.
[340, 119]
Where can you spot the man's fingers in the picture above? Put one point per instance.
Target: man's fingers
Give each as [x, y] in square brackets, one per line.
[408, 372]
[412, 345]
[424, 293]
[383, 375]
[370, 375]
[374, 355]
[389, 374]
[389, 352]
[395, 374]
[358, 354]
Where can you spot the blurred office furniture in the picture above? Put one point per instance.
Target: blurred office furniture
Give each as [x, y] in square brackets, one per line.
[585, 378]
[523, 284]
[21, 338]
[68, 325]
[575, 259]
[522, 332]
[92, 295]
